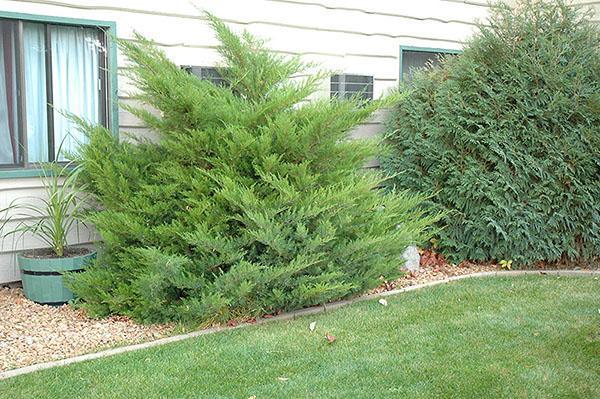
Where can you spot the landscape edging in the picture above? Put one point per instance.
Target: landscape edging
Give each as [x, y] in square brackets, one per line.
[286, 316]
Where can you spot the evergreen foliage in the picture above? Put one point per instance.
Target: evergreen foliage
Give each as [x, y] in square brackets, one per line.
[506, 137]
[249, 204]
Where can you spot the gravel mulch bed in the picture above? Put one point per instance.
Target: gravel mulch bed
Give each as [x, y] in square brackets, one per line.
[32, 333]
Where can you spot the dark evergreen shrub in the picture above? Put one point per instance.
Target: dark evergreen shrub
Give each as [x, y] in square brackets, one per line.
[506, 137]
[248, 205]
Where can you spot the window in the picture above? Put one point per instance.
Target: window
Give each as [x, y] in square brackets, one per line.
[47, 70]
[347, 86]
[206, 73]
[412, 58]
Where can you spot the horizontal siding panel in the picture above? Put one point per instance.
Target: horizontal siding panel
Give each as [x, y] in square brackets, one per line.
[297, 39]
[322, 24]
[20, 183]
[400, 10]
[18, 194]
[280, 12]
[9, 270]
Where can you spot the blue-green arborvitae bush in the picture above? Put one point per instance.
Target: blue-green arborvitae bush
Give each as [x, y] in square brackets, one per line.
[252, 201]
[506, 138]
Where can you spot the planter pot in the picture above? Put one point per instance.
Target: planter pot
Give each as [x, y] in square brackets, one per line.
[42, 276]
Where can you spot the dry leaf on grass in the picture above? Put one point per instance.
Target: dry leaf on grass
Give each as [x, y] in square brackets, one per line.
[330, 338]
[312, 326]
[383, 302]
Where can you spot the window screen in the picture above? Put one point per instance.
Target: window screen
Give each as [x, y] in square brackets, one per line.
[413, 59]
[207, 73]
[347, 86]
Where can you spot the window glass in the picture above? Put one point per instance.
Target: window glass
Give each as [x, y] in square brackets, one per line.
[207, 73]
[47, 72]
[412, 60]
[10, 147]
[36, 107]
[75, 83]
[348, 86]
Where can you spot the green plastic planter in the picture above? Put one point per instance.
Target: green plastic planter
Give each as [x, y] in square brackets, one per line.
[42, 277]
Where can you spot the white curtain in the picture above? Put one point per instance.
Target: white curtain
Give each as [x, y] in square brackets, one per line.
[9, 147]
[75, 81]
[34, 53]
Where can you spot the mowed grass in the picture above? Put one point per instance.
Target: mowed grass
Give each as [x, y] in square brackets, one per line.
[509, 337]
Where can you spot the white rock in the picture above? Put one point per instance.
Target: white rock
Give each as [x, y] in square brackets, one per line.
[411, 259]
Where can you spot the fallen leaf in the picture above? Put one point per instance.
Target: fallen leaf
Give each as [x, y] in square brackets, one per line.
[252, 397]
[282, 378]
[330, 338]
[383, 302]
[312, 326]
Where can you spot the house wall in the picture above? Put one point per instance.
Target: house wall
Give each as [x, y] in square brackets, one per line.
[352, 36]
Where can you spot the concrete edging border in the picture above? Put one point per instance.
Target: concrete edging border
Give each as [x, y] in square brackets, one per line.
[286, 316]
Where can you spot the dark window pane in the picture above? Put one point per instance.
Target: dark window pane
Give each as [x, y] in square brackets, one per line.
[412, 60]
[10, 148]
[207, 73]
[356, 87]
[358, 79]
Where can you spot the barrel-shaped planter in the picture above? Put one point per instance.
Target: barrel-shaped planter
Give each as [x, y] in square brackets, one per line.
[42, 277]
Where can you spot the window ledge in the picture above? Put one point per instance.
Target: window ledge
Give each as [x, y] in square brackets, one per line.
[19, 173]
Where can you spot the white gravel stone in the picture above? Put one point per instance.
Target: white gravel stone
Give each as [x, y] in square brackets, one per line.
[411, 258]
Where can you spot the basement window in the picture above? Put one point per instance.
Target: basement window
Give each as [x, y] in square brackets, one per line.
[413, 58]
[206, 73]
[348, 86]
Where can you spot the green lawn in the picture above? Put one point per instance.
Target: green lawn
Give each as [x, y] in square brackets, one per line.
[511, 337]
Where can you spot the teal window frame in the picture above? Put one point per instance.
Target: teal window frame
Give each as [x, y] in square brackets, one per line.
[425, 50]
[110, 27]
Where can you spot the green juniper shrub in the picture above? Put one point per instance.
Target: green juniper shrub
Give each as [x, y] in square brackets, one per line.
[506, 138]
[248, 204]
